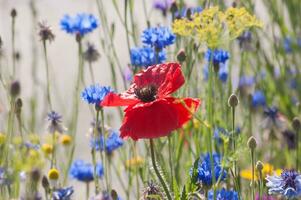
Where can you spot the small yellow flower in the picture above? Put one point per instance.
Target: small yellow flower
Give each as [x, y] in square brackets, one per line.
[65, 139]
[2, 138]
[53, 174]
[134, 162]
[47, 148]
[268, 169]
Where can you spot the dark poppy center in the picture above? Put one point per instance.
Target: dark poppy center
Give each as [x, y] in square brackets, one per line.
[147, 93]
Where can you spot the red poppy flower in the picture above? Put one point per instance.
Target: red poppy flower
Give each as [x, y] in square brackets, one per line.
[151, 112]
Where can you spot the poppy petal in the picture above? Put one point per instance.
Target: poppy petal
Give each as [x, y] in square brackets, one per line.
[157, 118]
[168, 77]
[113, 99]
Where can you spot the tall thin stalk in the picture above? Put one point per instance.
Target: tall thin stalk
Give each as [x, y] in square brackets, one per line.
[161, 179]
[47, 74]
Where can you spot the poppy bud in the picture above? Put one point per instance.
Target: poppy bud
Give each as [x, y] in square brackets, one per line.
[181, 56]
[233, 100]
[252, 143]
[296, 124]
[259, 166]
[15, 88]
[13, 13]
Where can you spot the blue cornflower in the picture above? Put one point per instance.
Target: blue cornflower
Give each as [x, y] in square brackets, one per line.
[288, 184]
[63, 193]
[113, 142]
[83, 171]
[162, 5]
[204, 173]
[94, 94]
[55, 122]
[246, 81]
[183, 12]
[146, 56]
[287, 44]
[222, 71]
[80, 24]
[217, 56]
[223, 194]
[258, 99]
[158, 37]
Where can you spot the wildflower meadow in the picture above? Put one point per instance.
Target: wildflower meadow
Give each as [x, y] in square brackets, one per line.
[150, 100]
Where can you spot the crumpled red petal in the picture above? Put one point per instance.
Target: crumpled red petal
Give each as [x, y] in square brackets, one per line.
[157, 118]
[168, 77]
[113, 99]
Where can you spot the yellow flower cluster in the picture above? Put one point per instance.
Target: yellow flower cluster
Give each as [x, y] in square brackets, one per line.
[213, 26]
[268, 169]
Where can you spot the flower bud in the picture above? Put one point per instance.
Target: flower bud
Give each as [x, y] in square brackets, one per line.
[45, 183]
[181, 56]
[233, 100]
[35, 175]
[259, 166]
[252, 143]
[296, 124]
[173, 7]
[53, 174]
[18, 106]
[13, 13]
[15, 88]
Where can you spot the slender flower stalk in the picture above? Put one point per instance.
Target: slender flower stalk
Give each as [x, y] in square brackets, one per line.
[13, 22]
[105, 159]
[210, 119]
[94, 161]
[297, 125]
[252, 145]
[47, 74]
[87, 191]
[161, 179]
[259, 168]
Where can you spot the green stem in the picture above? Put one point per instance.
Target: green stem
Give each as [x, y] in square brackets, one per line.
[210, 119]
[13, 46]
[95, 135]
[53, 151]
[87, 191]
[297, 150]
[91, 73]
[73, 124]
[164, 185]
[253, 174]
[105, 161]
[47, 74]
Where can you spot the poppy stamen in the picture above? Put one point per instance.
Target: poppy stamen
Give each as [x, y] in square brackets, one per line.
[147, 93]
